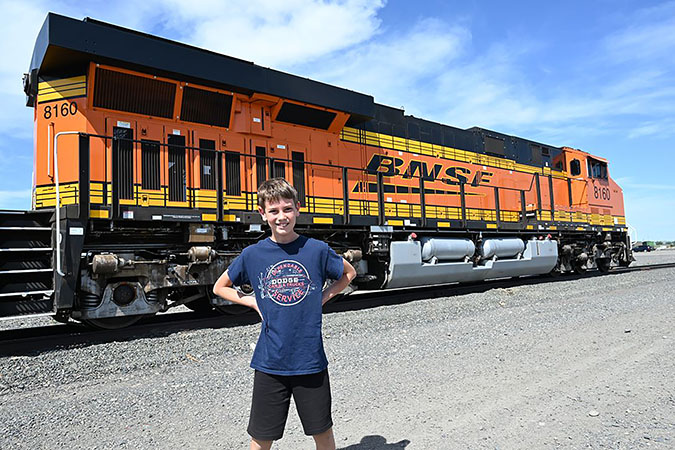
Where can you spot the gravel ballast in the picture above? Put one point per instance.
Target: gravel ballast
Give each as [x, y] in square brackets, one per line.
[584, 363]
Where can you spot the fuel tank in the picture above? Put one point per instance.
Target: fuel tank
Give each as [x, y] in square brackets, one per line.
[447, 249]
[501, 248]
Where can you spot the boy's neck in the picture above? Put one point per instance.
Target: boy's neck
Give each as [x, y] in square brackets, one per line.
[285, 239]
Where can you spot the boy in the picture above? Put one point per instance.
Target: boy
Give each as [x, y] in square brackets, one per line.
[287, 272]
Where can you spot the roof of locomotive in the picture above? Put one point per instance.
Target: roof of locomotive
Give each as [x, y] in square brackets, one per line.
[65, 44]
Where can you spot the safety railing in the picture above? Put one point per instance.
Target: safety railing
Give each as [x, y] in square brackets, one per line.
[372, 197]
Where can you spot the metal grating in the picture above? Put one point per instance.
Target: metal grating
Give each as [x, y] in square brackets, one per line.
[150, 165]
[124, 148]
[298, 159]
[260, 165]
[177, 181]
[207, 107]
[131, 93]
[207, 163]
[232, 173]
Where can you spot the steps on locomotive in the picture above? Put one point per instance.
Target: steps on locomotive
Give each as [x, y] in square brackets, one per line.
[26, 277]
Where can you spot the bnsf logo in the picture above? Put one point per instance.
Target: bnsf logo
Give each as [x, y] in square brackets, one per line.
[390, 166]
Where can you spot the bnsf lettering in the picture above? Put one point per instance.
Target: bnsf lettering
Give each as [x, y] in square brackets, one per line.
[390, 166]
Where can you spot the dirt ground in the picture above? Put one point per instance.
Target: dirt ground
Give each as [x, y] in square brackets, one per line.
[585, 363]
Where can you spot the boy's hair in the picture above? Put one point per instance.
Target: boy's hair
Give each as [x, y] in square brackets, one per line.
[274, 190]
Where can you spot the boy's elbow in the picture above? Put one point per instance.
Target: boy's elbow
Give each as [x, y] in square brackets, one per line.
[350, 271]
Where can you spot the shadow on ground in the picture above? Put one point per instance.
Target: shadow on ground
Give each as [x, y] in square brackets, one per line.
[373, 442]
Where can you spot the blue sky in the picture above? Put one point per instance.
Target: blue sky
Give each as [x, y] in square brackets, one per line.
[595, 75]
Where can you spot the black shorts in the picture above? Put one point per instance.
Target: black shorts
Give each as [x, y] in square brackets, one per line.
[272, 398]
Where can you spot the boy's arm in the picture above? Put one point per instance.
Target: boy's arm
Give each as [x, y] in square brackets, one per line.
[347, 276]
[223, 288]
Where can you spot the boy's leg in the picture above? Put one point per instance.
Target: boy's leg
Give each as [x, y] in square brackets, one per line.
[312, 397]
[269, 409]
[325, 440]
[260, 445]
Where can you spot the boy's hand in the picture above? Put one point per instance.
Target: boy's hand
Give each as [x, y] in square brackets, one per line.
[223, 288]
[251, 303]
[347, 276]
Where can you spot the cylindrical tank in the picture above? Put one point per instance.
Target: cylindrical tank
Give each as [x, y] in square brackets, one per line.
[501, 247]
[447, 249]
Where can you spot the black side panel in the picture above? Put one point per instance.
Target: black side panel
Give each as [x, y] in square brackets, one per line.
[299, 175]
[123, 147]
[201, 106]
[261, 166]
[278, 169]
[131, 93]
[207, 166]
[232, 173]
[150, 164]
[303, 115]
[177, 182]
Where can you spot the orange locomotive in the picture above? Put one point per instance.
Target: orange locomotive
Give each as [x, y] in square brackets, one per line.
[153, 151]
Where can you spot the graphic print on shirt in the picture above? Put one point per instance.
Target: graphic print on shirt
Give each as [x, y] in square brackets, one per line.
[286, 283]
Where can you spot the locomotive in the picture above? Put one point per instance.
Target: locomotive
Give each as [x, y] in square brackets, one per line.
[148, 154]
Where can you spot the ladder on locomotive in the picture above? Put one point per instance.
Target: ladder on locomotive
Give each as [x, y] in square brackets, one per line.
[26, 273]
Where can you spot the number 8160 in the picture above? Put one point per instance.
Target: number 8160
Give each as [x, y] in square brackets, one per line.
[60, 110]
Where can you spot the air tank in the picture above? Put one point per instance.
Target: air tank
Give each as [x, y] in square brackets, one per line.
[501, 248]
[447, 249]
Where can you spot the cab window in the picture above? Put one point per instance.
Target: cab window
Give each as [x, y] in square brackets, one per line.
[575, 167]
[597, 169]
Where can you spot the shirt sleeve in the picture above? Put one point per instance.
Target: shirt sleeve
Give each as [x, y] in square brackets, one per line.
[334, 265]
[237, 272]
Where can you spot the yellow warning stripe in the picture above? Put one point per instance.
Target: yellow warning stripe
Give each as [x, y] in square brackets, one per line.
[62, 88]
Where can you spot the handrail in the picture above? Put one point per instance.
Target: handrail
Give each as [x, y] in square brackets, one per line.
[58, 199]
[378, 174]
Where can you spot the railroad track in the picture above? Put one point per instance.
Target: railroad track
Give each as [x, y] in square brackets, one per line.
[30, 341]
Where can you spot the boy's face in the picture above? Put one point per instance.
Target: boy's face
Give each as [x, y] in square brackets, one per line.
[281, 215]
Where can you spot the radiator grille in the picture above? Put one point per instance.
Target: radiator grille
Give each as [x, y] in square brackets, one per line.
[207, 107]
[134, 94]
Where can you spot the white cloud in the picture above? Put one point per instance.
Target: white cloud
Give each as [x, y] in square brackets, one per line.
[273, 33]
[396, 68]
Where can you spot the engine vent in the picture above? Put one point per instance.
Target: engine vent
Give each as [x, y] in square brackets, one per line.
[207, 107]
[303, 115]
[134, 94]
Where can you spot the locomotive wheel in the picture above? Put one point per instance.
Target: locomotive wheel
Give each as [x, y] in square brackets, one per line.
[579, 268]
[603, 264]
[112, 323]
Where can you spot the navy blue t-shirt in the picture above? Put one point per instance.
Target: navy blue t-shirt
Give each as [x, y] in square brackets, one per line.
[288, 280]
